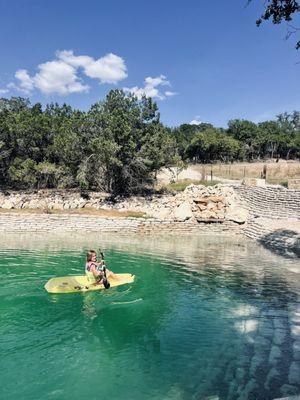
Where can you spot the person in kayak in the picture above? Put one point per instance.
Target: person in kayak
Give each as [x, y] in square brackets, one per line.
[96, 271]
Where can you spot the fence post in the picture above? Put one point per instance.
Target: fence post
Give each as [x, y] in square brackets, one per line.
[203, 173]
[264, 172]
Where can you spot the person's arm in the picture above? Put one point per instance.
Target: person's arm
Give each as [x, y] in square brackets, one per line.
[94, 271]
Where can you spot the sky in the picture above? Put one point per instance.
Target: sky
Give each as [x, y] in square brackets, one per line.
[200, 60]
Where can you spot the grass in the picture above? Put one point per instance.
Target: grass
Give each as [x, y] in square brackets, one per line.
[276, 172]
[182, 184]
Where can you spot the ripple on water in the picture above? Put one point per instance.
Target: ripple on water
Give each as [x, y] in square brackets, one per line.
[205, 317]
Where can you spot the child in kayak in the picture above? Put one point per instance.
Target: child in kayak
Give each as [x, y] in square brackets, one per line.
[96, 271]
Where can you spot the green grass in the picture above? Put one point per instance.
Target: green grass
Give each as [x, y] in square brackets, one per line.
[181, 185]
[136, 215]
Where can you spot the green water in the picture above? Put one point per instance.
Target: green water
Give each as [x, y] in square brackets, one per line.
[207, 318]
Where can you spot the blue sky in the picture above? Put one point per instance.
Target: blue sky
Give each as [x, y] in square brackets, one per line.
[201, 60]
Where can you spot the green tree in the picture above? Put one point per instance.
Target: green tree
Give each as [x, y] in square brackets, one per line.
[212, 144]
[247, 133]
[184, 135]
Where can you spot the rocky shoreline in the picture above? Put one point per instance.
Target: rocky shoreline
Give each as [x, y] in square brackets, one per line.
[270, 215]
[195, 203]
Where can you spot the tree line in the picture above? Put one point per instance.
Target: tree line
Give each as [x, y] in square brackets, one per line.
[119, 144]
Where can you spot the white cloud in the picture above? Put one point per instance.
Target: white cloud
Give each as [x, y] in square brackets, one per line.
[168, 93]
[60, 76]
[26, 83]
[151, 88]
[196, 121]
[3, 91]
[108, 69]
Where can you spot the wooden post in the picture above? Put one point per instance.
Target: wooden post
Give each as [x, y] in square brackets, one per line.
[264, 172]
[203, 173]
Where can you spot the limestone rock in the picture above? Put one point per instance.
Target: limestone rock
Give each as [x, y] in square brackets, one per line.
[58, 206]
[7, 204]
[236, 214]
[183, 212]
[162, 213]
[209, 199]
[206, 214]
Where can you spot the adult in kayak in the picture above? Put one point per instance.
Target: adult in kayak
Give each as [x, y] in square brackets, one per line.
[95, 271]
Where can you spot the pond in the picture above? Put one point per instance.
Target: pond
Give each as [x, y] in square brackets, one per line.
[208, 317]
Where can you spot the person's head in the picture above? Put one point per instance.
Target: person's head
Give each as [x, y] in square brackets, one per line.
[91, 256]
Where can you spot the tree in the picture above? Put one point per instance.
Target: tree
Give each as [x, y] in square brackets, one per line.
[212, 144]
[290, 127]
[270, 137]
[125, 144]
[278, 11]
[247, 133]
[184, 135]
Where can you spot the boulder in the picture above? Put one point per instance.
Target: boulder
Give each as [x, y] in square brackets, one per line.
[34, 204]
[294, 373]
[210, 205]
[183, 212]
[58, 206]
[237, 214]
[205, 215]
[208, 199]
[7, 204]
[220, 205]
[254, 182]
[162, 213]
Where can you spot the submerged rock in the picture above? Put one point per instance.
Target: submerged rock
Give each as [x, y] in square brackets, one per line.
[296, 350]
[294, 373]
[272, 377]
[275, 355]
[287, 390]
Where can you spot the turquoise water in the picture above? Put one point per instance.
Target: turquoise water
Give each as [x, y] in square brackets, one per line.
[207, 318]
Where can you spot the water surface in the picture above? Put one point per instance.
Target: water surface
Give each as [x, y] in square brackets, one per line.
[207, 318]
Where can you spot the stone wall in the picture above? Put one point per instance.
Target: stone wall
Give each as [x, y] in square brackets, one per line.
[270, 202]
[273, 217]
[14, 222]
[256, 212]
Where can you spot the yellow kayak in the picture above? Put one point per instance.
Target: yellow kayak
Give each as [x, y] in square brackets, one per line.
[80, 283]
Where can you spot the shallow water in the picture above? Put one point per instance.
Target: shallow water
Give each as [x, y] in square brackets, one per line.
[207, 318]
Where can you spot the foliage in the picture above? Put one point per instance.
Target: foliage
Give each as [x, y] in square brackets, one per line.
[211, 145]
[119, 144]
[278, 11]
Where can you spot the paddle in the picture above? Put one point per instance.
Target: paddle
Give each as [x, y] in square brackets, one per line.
[106, 284]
